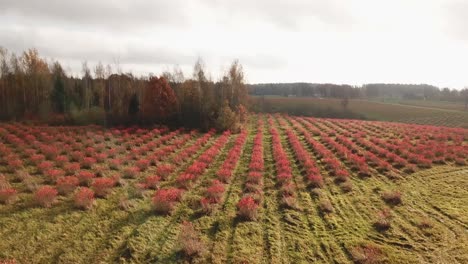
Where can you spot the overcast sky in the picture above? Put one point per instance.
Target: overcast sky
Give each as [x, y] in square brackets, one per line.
[355, 42]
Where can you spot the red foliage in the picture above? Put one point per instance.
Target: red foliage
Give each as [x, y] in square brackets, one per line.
[7, 195]
[248, 208]
[164, 200]
[84, 198]
[45, 166]
[45, 196]
[143, 164]
[85, 177]
[88, 162]
[159, 101]
[67, 184]
[103, 186]
[164, 170]
[131, 172]
[72, 168]
[53, 174]
[215, 191]
[152, 182]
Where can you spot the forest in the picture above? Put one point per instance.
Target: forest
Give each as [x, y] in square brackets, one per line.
[33, 88]
[366, 91]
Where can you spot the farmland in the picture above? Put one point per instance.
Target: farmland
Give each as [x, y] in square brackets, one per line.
[285, 189]
[406, 111]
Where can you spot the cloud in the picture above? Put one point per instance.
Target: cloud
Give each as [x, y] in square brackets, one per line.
[109, 14]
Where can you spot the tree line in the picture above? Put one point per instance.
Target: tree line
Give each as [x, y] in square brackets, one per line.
[373, 90]
[32, 88]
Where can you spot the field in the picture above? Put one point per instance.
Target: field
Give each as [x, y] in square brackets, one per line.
[406, 111]
[285, 190]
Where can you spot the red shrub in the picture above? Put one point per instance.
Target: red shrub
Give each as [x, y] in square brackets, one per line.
[342, 175]
[67, 184]
[164, 170]
[103, 186]
[84, 198]
[255, 177]
[77, 156]
[72, 168]
[15, 164]
[7, 195]
[185, 180]
[247, 208]
[164, 200]
[37, 159]
[45, 166]
[315, 180]
[61, 160]
[115, 164]
[85, 177]
[215, 191]
[224, 175]
[131, 172]
[45, 196]
[367, 254]
[88, 162]
[152, 182]
[53, 174]
[143, 164]
[208, 205]
[100, 157]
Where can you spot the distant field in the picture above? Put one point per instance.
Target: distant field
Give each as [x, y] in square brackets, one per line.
[407, 112]
[457, 106]
[285, 190]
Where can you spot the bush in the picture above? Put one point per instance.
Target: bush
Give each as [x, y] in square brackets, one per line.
[143, 164]
[7, 195]
[71, 168]
[85, 177]
[131, 172]
[115, 164]
[393, 198]
[67, 184]
[45, 166]
[84, 198]
[45, 196]
[346, 186]
[215, 191]
[15, 164]
[367, 254]
[88, 162]
[103, 186]
[315, 180]
[53, 174]
[164, 200]
[208, 205]
[152, 182]
[189, 241]
[384, 219]
[326, 207]
[248, 208]
[255, 177]
[61, 160]
[164, 170]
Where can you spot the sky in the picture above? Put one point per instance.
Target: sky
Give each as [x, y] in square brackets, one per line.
[320, 41]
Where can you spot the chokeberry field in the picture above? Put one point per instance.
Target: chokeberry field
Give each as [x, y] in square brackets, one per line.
[285, 189]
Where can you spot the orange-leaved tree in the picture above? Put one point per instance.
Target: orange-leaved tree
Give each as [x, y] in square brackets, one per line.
[159, 102]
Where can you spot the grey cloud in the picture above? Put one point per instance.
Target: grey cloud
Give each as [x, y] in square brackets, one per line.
[102, 13]
[292, 13]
